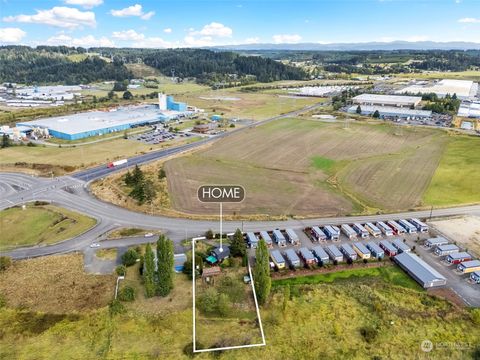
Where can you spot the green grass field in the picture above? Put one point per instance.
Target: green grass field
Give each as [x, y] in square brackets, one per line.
[40, 225]
[460, 75]
[457, 178]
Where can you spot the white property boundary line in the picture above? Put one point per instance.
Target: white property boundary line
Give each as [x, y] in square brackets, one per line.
[263, 343]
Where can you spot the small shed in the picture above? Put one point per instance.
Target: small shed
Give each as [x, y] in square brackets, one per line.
[277, 259]
[307, 256]
[447, 249]
[361, 250]
[348, 231]
[264, 235]
[375, 250]
[334, 253]
[348, 252]
[401, 246]
[384, 228]
[457, 258]
[292, 237]
[389, 249]
[468, 267]
[436, 241]
[209, 274]
[321, 255]
[420, 225]
[318, 234]
[411, 229]
[279, 238]
[292, 258]
[475, 277]
[252, 240]
[361, 231]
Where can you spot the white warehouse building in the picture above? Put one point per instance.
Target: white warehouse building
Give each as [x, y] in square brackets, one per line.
[387, 100]
[391, 111]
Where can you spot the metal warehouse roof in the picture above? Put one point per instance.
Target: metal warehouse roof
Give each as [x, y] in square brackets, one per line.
[334, 250]
[97, 120]
[374, 247]
[348, 249]
[362, 248]
[470, 264]
[251, 237]
[291, 234]
[390, 111]
[388, 245]
[266, 237]
[320, 252]
[436, 241]
[278, 235]
[292, 255]
[419, 268]
[460, 255]
[398, 243]
[306, 254]
[390, 99]
[447, 247]
[277, 256]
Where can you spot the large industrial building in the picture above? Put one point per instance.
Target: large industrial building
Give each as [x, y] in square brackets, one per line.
[391, 111]
[470, 109]
[387, 100]
[418, 269]
[464, 89]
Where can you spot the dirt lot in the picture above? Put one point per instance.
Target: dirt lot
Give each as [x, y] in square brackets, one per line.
[277, 158]
[464, 231]
[55, 284]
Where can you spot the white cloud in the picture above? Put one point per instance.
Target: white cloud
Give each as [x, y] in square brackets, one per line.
[148, 15]
[286, 38]
[128, 35]
[214, 29]
[152, 42]
[134, 10]
[192, 41]
[469, 20]
[59, 16]
[85, 41]
[11, 35]
[87, 4]
[252, 40]
[167, 30]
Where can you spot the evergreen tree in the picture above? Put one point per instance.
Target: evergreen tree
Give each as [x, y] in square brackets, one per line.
[128, 179]
[137, 175]
[238, 246]
[165, 265]
[149, 191]
[138, 193]
[359, 110]
[5, 141]
[261, 273]
[127, 95]
[376, 114]
[149, 272]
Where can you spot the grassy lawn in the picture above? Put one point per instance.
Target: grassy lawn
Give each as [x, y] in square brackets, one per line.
[40, 225]
[458, 175]
[322, 163]
[459, 75]
[391, 274]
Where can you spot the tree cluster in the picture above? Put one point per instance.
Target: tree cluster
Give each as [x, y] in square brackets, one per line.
[160, 281]
[261, 272]
[447, 105]
[142, 189]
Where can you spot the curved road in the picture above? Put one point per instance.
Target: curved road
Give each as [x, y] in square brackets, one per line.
[73, 194]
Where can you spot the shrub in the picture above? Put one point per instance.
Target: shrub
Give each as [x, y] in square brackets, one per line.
[209, 234]
[116, 307]
[130, 257]
[223, 305]
[121, 270]
[369, 333]
[5, 262]
[127, 294]
[207, 302]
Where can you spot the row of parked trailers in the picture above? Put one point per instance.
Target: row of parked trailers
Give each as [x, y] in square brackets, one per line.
[464, 261]
[389, 228]
[277, 236]
[332, 253]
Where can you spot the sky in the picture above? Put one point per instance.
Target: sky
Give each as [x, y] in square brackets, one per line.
[178, 23]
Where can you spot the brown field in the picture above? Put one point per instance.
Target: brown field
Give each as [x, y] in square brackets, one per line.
[55, 284]
[274, 164]
[465, 231]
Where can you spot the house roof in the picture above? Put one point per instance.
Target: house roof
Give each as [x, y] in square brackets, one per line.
[215, 270]
[220, 255]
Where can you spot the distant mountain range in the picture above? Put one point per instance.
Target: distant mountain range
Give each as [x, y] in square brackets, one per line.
[394, 45]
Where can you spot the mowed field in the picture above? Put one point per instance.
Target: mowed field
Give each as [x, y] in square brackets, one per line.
[303, 167]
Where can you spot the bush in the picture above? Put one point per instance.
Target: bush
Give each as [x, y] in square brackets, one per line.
[127, 294]
[209, 234]
[207, 302]
[3, 301]
[116, 307]
[223, 305]
[5, 262]
[130, 257]
[369, 333]
[121, 270]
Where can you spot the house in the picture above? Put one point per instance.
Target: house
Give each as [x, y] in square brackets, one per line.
[217, 255]
[318, 234]
[434, 242]
[389, 249]
[375, 250]
[400, 246]
[279, 238]
[306, 256]
[397, 229]
[447, 249]
[457, 258]
[292, 258]
[321, 255]
[419, 270]
[277, 259]
[361, 250]
[292, 237]
[208, 274]
[264, 235]
[349, 253]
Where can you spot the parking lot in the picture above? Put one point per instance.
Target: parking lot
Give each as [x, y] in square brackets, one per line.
[468, 291]
[155, 136]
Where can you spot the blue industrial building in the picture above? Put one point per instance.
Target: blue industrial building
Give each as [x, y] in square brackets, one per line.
[175, 105]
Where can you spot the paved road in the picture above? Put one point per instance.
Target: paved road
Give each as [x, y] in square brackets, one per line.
[73, 194]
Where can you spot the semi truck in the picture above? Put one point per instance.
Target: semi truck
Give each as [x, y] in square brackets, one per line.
[117, 163]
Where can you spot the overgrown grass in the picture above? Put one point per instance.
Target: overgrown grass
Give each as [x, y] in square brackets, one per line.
[391, 274]
[323, 163]
[44, 224]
